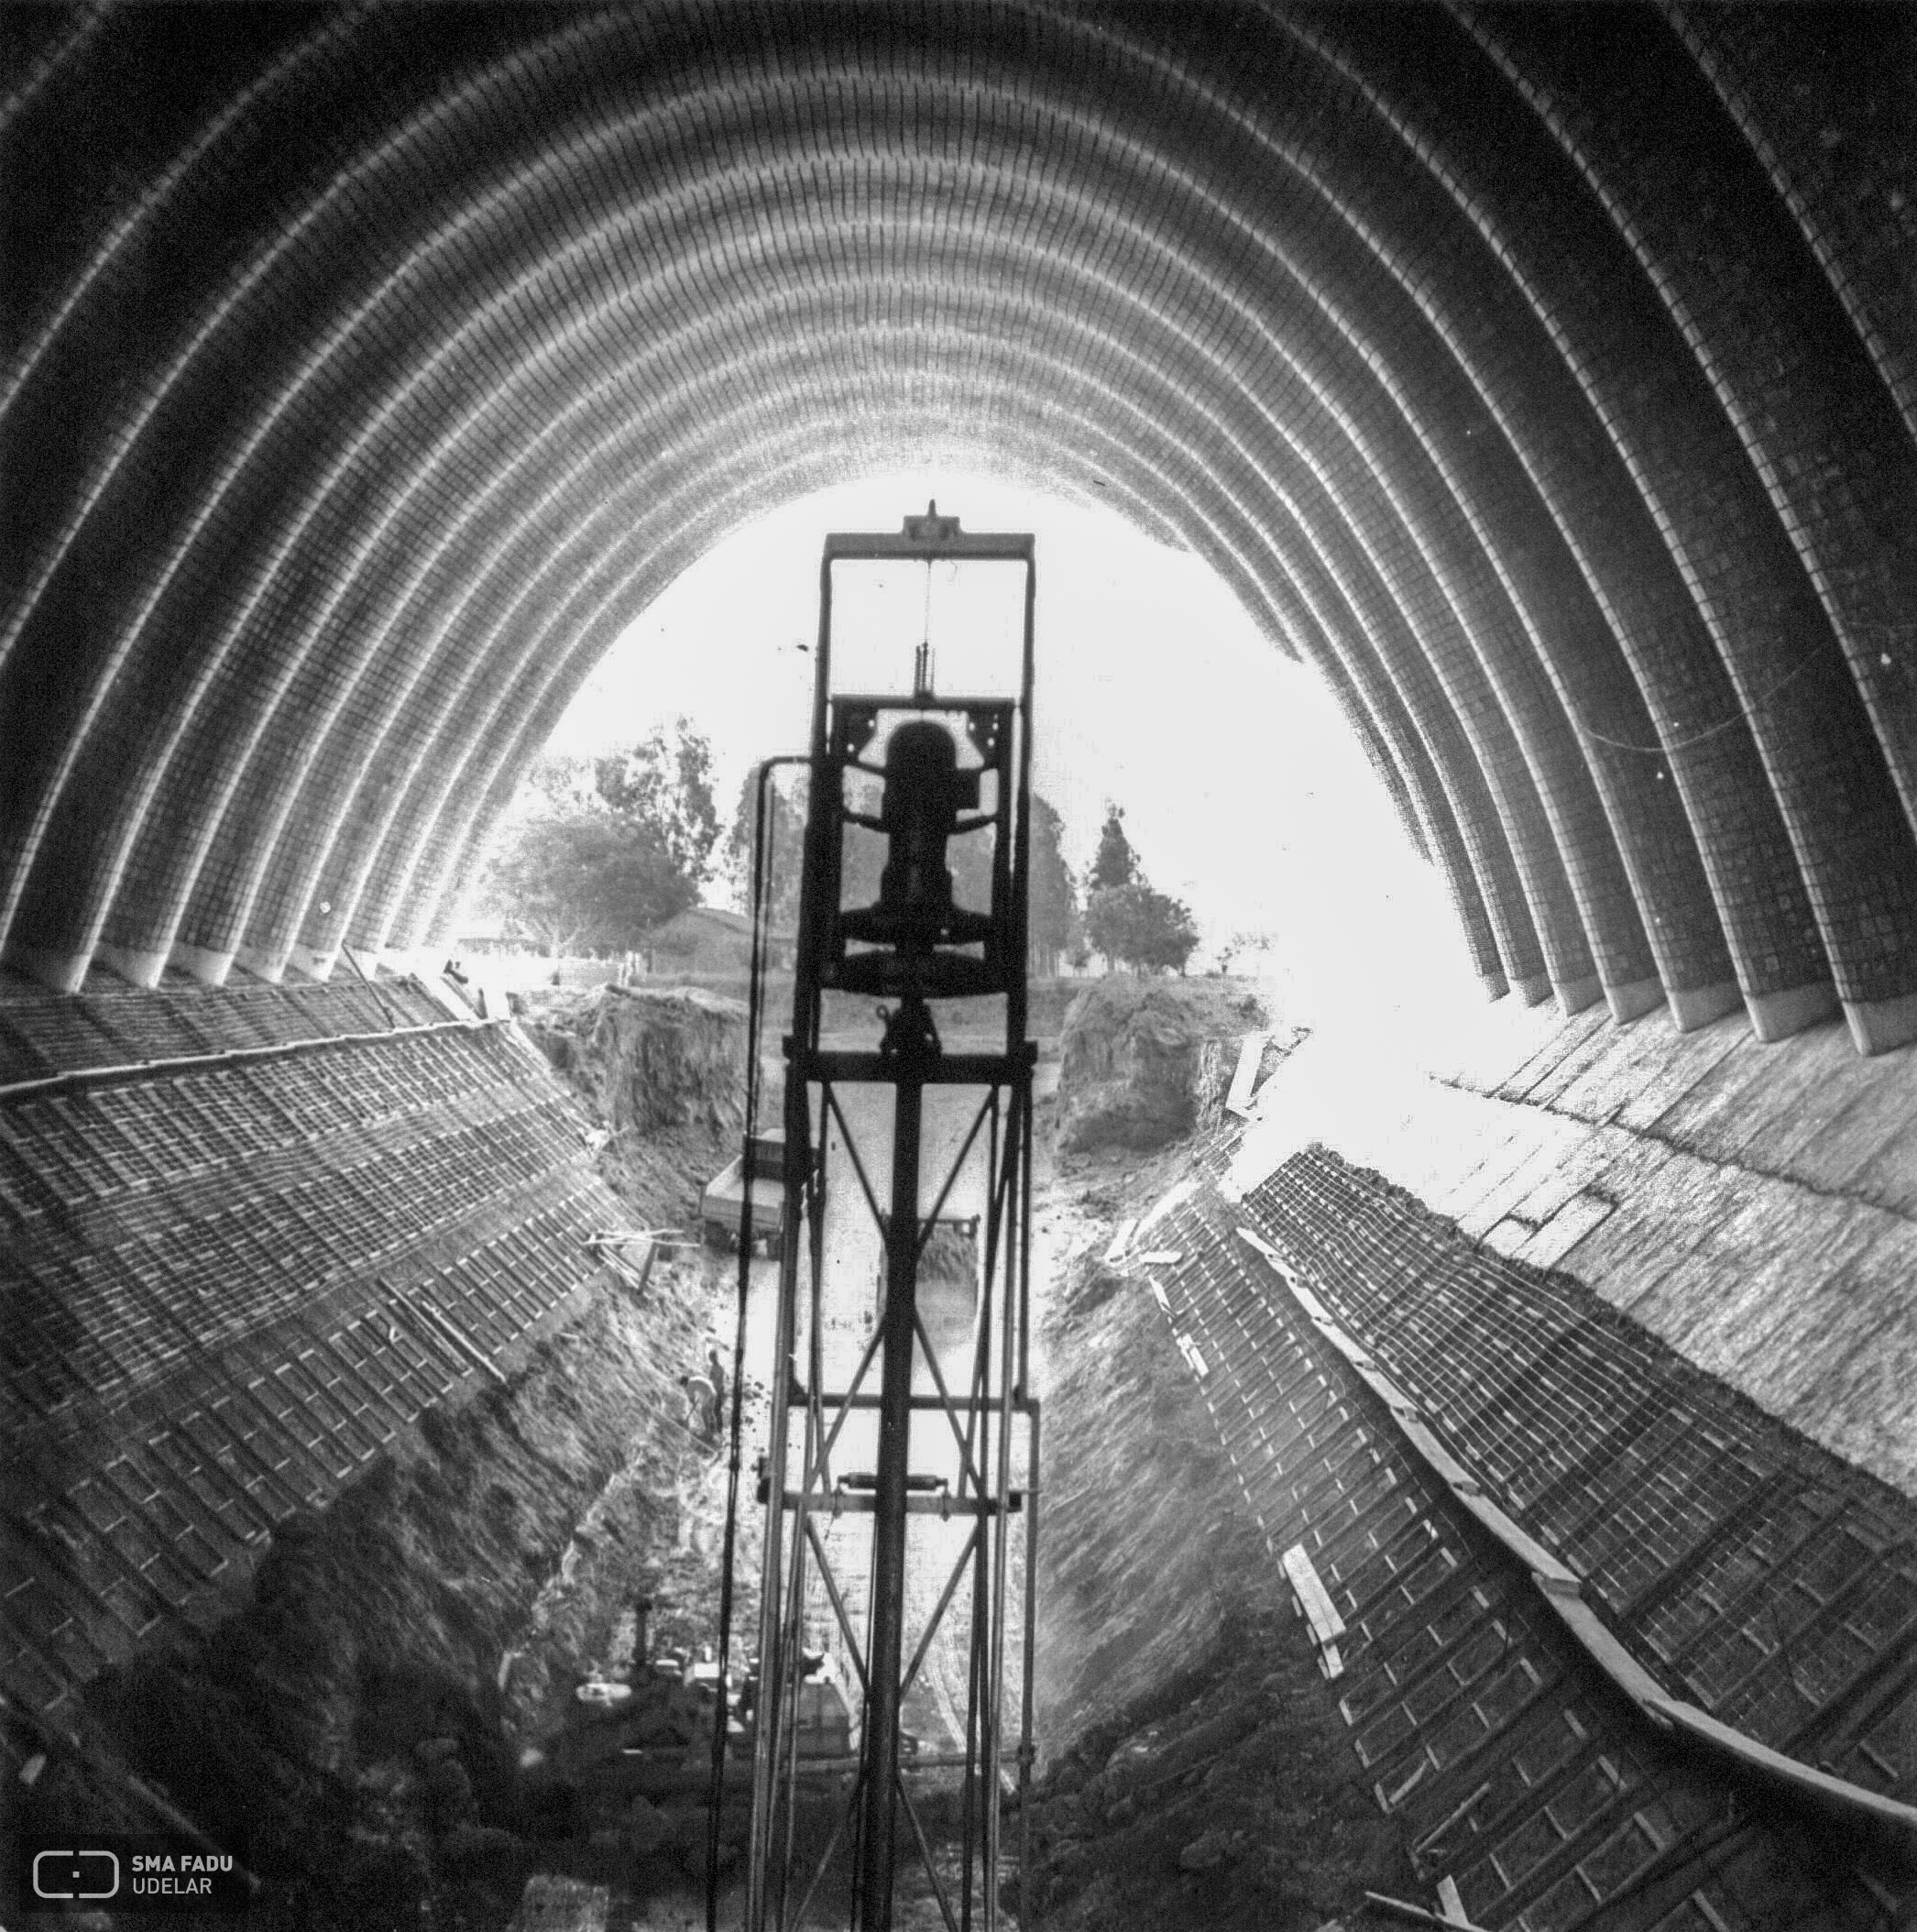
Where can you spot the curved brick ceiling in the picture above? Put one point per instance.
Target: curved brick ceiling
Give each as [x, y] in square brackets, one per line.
[1545, 377]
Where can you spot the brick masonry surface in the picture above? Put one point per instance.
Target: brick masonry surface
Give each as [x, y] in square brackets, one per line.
[1753, 1205]
[227, 1288]
[1542, 378]
[1755, 1573]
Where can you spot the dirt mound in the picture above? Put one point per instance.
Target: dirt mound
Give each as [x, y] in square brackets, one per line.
[1228, 1799]
[1143, 1060]
[663, 1073]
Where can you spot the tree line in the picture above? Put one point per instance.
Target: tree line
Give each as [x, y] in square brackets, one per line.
[1053, 928]
[1126, 917]
[600, 852]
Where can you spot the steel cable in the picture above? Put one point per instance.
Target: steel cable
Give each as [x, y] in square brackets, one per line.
[761, 825]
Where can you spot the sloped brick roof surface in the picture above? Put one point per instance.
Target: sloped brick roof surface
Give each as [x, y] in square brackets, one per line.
[1543, 376]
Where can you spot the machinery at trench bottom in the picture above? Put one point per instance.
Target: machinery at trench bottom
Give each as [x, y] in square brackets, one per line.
[937, 1458]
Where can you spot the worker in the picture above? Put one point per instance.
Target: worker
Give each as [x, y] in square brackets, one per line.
[700, 1407]
[716, 1374]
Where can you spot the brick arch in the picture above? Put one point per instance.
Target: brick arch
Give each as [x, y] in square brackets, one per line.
[1063, 376]
[1207, 520]
[1762, 671]
[1833, 463]
[251, 817]
[1399, 318]
[1256, 542]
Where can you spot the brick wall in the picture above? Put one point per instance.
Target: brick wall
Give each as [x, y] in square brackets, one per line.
[230, 1285]
[1542, 378]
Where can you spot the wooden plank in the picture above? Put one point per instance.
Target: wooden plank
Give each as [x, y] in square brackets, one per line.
[1314, 1600]
[1238, 1097]
[1837, 1794]
[1399, 1908]
[1255, 1241]
[1174, 1197]
[1605, 1651]
[1529, 1551]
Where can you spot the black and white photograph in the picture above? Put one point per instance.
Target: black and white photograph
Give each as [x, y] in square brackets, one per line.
[958, 965]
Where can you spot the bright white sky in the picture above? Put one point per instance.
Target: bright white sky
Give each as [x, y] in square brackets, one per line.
[1244, 793]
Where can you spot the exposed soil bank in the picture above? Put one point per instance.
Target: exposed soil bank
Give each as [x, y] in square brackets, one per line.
[389, 1729]
[1144, 1060]
[664, 1073]
[1197, 1772]
[1143, 1551]
[359, 1732]
[1215, 1802]
[353, 1728]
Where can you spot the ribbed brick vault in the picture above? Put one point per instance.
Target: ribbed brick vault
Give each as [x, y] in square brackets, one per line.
[1545, 377]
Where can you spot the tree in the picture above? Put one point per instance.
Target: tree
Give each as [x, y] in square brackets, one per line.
[1053, 925]
[665, 784]
[785, 851]
[580, 879]
[606, 849]
[1114, 863]
[1126, 918]
[559, 783]
[1252, 939]
[1140, 926]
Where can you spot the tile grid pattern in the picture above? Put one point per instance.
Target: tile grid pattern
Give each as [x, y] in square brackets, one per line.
[1760, 1577]
[1516, 1768]
[1518, 450]
[228, 1291]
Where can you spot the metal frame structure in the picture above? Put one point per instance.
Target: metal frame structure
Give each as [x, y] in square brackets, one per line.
[854, 1805]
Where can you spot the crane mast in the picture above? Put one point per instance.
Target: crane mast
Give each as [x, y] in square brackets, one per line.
[945, 1513]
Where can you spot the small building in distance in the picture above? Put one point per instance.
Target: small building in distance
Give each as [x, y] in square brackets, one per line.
[485, 932]
[707, 939]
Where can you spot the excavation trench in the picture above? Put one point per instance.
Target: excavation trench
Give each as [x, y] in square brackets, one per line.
[394, 1728]
[1193, 1767]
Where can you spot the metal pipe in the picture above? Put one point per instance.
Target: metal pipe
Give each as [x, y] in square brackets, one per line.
[1026, 1690]
[879, 1743]
[130, 1071]
[772, 1690]
[993, 1727]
